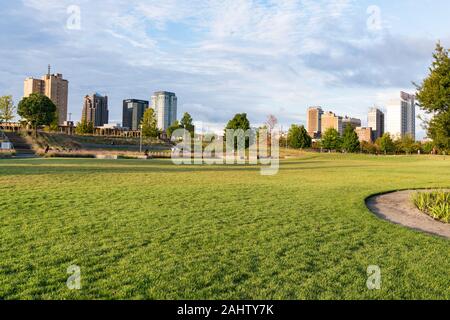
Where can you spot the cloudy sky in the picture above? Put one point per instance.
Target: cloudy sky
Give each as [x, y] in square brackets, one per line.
[225, 56]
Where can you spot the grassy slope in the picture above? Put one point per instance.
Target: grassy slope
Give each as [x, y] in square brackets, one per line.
[153, 230]
[57, 140]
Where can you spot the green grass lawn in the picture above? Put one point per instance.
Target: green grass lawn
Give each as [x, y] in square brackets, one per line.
[153, 230]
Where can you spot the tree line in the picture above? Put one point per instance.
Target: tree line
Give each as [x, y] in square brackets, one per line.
[349, 142]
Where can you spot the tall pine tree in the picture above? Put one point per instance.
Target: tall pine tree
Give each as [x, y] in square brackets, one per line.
[350, 140]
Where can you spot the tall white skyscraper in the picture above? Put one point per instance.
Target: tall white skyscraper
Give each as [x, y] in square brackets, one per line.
[165, 106]
[401, 116]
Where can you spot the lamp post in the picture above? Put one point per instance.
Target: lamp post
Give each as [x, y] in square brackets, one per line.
[140, 142]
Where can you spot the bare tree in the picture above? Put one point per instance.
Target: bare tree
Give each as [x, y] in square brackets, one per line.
[271, 122]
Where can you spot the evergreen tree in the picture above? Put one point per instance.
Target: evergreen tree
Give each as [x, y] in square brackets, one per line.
[298, 137]
[350, 140]
[386, 144]
[149, 124]
[187, 123]
[331, 139]
[239, 121]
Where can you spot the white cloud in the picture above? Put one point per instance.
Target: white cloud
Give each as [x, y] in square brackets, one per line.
[222, 57]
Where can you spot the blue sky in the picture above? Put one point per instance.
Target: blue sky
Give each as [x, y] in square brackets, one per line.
[222, 57]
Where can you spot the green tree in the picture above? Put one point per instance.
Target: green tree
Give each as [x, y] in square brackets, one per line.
[84, 127]
[298, 137]
[7, 109]
[54, 126]
[37, 110]
[434, 97]
[369, 147]
[350, 140]
[187, 123]
[407, 144]
[428, 147]
[239, 121]
[176, 125]
[331, 139]
[386, 144]
[149, 124]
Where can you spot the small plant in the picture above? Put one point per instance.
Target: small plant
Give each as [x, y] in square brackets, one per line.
[436, 204]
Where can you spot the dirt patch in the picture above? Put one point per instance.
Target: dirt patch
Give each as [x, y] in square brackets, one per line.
[397, 207]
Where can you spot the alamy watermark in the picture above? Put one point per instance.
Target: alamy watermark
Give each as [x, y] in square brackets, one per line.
[373, 277]
[74, 19]
[235, 147]
[374, 22]
[74, 280]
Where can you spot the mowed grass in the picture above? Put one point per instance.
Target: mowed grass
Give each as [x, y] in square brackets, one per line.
[153, 230]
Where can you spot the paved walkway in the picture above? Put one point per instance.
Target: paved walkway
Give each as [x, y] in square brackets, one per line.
[398, 208]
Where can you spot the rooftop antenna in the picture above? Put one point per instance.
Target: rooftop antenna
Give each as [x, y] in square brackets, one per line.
[49, 69]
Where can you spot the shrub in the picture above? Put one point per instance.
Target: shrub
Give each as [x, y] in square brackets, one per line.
[369, 147]
[6, 154]
[436, 204]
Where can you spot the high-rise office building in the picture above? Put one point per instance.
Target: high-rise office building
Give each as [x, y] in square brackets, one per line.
[165, 106]
[355, 123]
[375, 120]
[95, 109]
[331, 120]
[32, 85]
[401, 116]
[54, 87]
[133, 112]
[314, 121]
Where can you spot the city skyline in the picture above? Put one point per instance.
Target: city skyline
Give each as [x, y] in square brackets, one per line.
[402, 110]
[219, 61]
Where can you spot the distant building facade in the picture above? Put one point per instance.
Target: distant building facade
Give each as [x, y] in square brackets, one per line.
[355, 123]
[165, 105]
[331, 120]
[32, 85]
[401, 116]
[364, 134]
[55, 88]
[314, 122]
[95, 110]
[375, 120]
[133, 112]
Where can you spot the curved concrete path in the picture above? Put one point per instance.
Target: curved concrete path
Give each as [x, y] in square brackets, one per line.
[398, 208]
